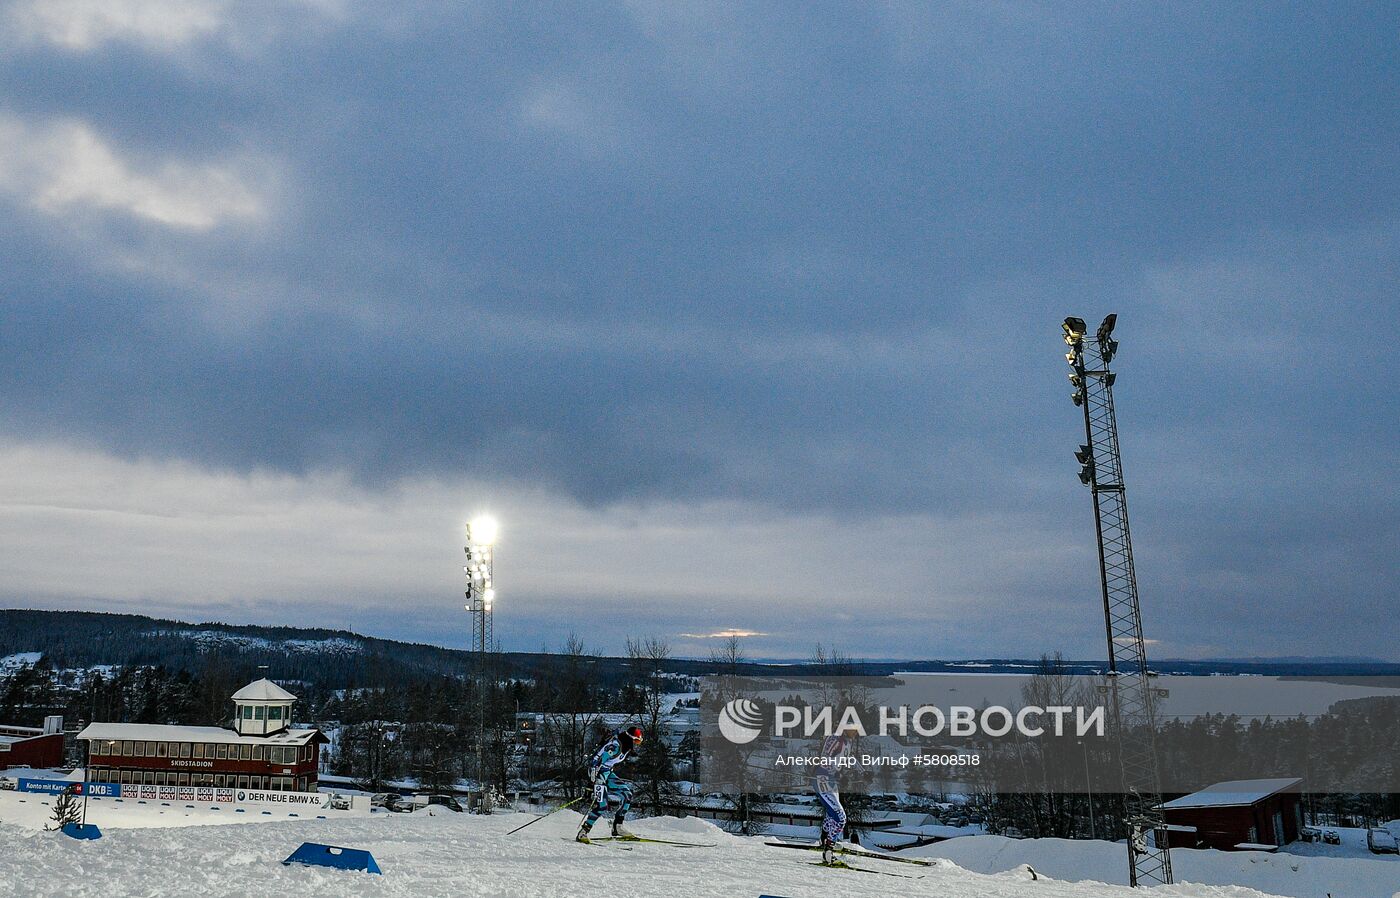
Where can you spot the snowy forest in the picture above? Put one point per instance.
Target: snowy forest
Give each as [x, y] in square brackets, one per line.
[409, 715]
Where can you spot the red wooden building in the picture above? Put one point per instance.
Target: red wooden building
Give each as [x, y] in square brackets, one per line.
[1237, 815]
[261, 751]
[32, 746]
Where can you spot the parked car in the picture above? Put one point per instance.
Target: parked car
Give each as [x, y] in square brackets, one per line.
[446, 801]
[1310, 834]
[340, 802]
[395, 803]
[1330, 837]
[1382, 841]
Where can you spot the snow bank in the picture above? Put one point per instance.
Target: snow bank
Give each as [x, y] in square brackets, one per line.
[1084, 861]
[425, 855]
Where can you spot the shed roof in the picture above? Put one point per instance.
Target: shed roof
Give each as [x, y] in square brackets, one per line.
[1234, 793]
[263, 690]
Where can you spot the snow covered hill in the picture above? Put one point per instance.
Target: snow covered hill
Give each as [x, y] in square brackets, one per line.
[154, 849]
[445, 854]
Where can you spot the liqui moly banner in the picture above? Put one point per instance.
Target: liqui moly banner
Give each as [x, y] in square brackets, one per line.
[186, 794]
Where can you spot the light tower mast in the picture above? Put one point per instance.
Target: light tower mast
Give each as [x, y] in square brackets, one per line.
[1132, 695]
[481, 600]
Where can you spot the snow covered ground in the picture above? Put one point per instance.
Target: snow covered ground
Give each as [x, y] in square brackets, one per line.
[12, 663]
[149, 850]
[1309, 874]
[34, 810]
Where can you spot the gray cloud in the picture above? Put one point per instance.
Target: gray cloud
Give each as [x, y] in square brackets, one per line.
[808, 261]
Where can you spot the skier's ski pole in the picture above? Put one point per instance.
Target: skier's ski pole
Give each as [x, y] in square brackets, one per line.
[542, 816]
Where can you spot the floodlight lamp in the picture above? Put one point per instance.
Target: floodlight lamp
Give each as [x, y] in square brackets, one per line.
[1109, 378]
[1078, 397]
[1086, 475]
[482, 531]
[1075, 379]
[1109, 349]
[1074, 329]
[1106, 329]
[1083, 455]
[488, 596]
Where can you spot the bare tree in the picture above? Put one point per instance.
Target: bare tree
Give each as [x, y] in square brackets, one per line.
[743, 803]
[729, 658]
[656, 766]
[839, 690]
[574, 720]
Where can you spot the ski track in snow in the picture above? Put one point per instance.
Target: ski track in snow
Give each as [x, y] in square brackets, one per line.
[442, 854]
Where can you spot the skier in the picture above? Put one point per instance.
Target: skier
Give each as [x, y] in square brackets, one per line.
[834, 826]
[607, 786]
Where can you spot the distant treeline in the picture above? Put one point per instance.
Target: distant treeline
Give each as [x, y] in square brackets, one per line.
[337, 659]
[322, 659]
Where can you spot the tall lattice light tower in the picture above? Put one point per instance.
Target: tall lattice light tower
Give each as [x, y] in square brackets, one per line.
[1132, 695]
[481, 600]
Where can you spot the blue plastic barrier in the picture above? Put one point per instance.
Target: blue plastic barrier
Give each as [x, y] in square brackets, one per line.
[314, 854]
[82, 830]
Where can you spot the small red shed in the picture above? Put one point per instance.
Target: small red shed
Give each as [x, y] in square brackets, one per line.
[1239, 815]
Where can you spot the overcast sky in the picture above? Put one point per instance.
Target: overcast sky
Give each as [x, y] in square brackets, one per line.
[739, 318]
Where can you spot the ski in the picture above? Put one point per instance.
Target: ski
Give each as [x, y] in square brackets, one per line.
[854, 852]
[842, 865]
[655, 841]
[599, 843]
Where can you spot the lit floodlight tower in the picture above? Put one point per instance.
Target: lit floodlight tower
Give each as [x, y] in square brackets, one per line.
[481, 601]
[1132, 697]
[481, 588]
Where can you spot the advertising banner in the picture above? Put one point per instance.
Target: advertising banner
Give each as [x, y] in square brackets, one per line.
[186, 794]
[290, 800]
[50, 787]
[1047, 732]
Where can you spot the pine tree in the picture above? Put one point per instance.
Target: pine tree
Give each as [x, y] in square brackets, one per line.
[66, 809]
